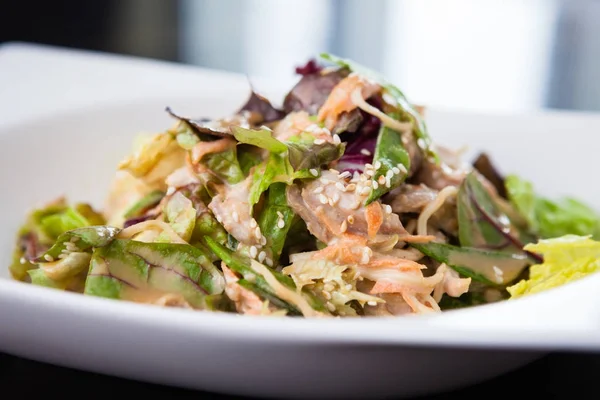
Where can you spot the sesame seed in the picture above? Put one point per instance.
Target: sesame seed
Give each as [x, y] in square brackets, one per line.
[335, 198]
[253, 251]
[396, 170]
[366, 255]
[219, 219]
[350, 187]
[73, 239]
[387, 208]
[365, 190]
[318, 190]
[319, 141]
[313, 172]
[368, 166]
[279, 214]
[22, 260]
[253, 223]
[323, 199]
[330, 306]
[62, 256]
[402, 168]
[421, 143]
[336, 139]
[389, 174]
[350, 219]
[375, 185]
[381, 180]
[372, 303]
[326, 294]
[257, 233]
[312, 128]
[261, 256]
[334, 171]
[326, 131]
[368, 183]
[369, 172]
[344, 226]
[377, 164]
[355, 175]
[348, 287]
[365, 152]
[345, 174]
[235, 216]
[269, 261]
[325, 181]
[330, 202]
[263, 241]
[280, 224]
[340, 186]
[388, 182]
[328, 286]
[48, 257]
[170, 191]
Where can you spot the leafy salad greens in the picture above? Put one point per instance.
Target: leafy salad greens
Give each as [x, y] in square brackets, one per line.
[335, 204]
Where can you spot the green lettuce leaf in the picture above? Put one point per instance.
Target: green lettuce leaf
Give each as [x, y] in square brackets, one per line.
[131, 270]
[248, 157]
[494, 268]
[42, 229]
[566, 259]
[225, 165]
[262, 138]
[39, 278]
[389, 153]
[482, 223]
[180, 213]
[275, 220]
[304, 154]
[79, 240]
[548, 218]
[141, 206]
[275, 169]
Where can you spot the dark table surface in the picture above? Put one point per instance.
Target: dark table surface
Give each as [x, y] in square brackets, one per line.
[556, 376]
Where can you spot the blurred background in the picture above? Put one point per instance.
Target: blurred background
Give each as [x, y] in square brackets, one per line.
[493, 55]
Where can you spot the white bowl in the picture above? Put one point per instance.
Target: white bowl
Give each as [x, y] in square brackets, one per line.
[75, 153]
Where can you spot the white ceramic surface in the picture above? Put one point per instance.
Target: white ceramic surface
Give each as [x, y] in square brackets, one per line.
[67, 118]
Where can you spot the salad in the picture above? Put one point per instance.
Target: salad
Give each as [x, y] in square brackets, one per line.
[335, 204]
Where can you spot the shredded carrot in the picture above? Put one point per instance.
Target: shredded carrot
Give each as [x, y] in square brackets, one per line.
[339, 99]
[374, 217]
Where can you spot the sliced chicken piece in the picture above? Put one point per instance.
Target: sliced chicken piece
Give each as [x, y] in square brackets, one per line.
[451, 171]
[232, 209]
[411, 198]
[332, 207]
